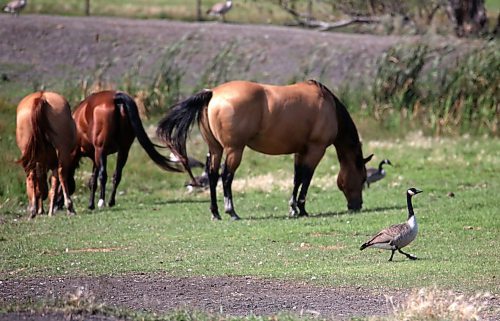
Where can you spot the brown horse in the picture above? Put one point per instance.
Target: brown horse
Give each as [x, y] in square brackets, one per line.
[46, 136]
[303, 119]
[107, 122]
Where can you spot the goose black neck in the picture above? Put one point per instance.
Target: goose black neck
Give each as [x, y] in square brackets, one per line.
[380, 166]
[410, 206]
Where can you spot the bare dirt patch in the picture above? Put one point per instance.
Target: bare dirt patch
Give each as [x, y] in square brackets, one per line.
[37, 48]
[227, 295]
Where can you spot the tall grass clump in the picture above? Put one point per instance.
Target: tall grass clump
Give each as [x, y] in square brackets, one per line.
[432, 304]
[444, 91]
[227, 64]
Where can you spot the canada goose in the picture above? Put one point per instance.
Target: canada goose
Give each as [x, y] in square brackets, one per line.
[220, 9]
[397, 236]
[15, 6]
[374, 174]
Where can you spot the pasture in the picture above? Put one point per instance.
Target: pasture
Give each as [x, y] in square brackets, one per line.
[158, 248]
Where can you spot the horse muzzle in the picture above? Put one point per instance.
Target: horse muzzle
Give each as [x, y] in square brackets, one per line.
[355, 205]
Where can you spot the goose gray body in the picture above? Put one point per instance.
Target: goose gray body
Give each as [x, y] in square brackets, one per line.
[397, 236]
[220, 9]
[15, 6]
[376, 174]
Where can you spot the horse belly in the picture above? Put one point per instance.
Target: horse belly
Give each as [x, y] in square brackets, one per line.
[273, 145]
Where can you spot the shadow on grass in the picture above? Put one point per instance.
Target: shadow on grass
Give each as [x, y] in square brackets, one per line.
[369, 210]
[326, 214]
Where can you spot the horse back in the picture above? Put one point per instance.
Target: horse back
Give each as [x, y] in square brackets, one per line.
[272, 119]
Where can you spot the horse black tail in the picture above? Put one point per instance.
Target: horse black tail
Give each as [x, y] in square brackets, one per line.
[130, 107]
[174, 128]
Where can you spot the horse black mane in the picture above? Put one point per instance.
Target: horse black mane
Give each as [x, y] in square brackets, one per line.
[347, 133]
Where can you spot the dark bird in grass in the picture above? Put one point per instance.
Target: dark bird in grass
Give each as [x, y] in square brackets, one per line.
[15, 6]
[220, 9]
[376, 174]
[397, 236]
[202, 180]
[192, 162]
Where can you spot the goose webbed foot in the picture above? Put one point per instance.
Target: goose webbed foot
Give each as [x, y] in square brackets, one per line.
[410, 256]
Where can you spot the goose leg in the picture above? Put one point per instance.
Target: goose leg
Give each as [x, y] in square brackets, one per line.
[392, 254]
[411, 257]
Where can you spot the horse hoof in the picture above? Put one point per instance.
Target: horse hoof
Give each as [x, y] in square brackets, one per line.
[293, 213]
[412, 257]
[91, 207]
[235, 217]
[100, 204]
[216, 217]
[303, 214]
[111, 204]
[71, 213]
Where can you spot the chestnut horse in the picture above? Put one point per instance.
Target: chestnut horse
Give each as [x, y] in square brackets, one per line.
[303, 119]
[107, 122]
[46, 136]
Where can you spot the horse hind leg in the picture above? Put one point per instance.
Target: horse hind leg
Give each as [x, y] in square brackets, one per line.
[63, 173]
[52, 193]
[213, 166]
[233, 160]
[121, 160]
[93, 186]
[31, 192]
[103, 177]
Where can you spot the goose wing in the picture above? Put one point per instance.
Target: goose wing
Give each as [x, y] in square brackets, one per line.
[385, 237]
[15, 4]
[216, 8]
[370, 171]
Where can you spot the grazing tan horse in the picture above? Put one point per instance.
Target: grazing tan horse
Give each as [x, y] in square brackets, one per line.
[107, 122]
[46, 136]
[303, 119]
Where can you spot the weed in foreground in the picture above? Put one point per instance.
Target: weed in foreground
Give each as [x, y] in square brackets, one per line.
[432, 304]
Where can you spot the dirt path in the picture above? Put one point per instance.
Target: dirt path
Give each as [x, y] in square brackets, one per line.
[231, 295]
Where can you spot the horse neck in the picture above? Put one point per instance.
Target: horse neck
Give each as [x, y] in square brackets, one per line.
[347, 141]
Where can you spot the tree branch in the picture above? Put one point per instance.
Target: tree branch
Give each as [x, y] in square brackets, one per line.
[309, 22]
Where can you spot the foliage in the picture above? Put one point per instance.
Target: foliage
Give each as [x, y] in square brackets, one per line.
[448, 95]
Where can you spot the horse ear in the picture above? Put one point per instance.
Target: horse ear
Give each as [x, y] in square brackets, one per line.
[366, 160]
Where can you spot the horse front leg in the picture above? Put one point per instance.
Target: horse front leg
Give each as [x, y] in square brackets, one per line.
[307, 174]
[121, 160]
[308, 163]
[297, 181]
[213, 177]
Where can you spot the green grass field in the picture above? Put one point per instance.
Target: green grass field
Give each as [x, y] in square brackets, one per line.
[157, 226]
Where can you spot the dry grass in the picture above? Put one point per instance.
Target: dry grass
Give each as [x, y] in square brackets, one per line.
[429, 304]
